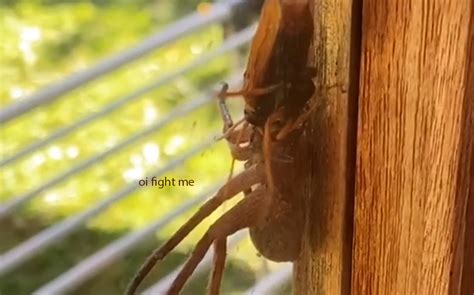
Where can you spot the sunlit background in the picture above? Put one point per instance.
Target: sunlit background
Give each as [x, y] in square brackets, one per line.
[44, 41]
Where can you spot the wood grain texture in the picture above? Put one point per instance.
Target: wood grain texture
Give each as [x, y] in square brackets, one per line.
[412, 151]
[467, 286]
[325, 262]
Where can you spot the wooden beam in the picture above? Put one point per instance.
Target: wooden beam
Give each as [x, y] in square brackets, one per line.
[413, 154]
[325, 262]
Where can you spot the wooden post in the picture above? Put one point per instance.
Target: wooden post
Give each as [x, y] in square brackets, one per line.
[325, 264]
[413, 147]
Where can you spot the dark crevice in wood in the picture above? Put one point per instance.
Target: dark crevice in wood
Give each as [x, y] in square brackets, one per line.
[353, 90]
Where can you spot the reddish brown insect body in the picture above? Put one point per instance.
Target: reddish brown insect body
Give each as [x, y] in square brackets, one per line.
[277, 61]
[277, 90]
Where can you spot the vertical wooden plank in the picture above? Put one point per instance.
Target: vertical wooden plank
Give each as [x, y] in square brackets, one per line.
[467, 286]
[410, 202]
[325, 262]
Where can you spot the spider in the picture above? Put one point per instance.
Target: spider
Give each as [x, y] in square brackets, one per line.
[277, 90]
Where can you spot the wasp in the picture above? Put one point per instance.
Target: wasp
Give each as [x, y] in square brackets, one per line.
[277, 91]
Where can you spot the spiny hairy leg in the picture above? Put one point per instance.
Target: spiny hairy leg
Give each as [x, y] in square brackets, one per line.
[220, 253]
[239, 183]
[249, 212]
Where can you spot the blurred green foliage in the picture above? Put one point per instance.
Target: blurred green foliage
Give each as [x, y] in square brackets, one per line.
[46, 40]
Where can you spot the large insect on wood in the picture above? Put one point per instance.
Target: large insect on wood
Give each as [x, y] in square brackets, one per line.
[277, 90]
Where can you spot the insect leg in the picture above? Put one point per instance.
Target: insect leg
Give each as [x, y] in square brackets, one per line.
[241, 135]
[267, 152]
[267, 147]
[289, 126]
[248, 212]
[234, 137]
[220, 253]
[239, 183]
[224, 110]
[292, 125]
[229, 130]
[241, 153]
[263, 90]
[238, 143]
[229, 125]
[303, 117]
[254, 91]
